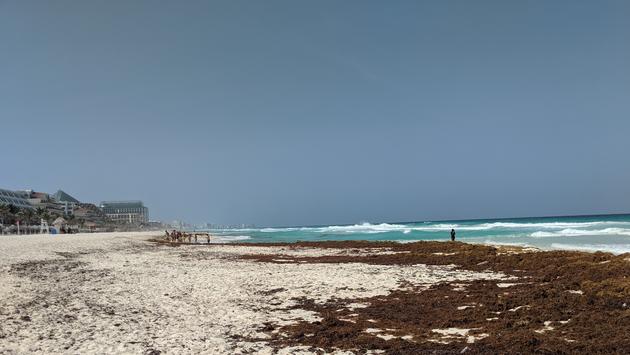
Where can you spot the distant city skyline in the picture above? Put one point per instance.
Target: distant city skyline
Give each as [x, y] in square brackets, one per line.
[280, 113]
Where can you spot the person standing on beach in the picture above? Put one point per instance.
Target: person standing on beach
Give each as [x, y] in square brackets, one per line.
[452, 235]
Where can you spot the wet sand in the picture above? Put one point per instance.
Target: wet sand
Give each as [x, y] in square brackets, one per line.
[121, 293]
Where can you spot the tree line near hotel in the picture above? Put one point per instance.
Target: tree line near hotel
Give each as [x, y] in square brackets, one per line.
[28, 212]
[11, 215]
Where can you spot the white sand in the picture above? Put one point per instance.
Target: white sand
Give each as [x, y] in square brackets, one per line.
[118, 293]
[450, 333]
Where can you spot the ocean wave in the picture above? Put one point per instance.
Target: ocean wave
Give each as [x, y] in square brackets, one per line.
[532, 225]
[369, 228]
[611, 248]
[569, 232]
[507, 244]
[277, 230]
[229, 230]
[232, 238]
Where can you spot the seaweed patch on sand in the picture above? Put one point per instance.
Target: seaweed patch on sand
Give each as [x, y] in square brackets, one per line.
[556, 302]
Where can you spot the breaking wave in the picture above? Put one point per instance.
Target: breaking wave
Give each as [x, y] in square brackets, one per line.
[276, 230]
[368, 228]
[232, 238]
[607, 233]
[582, 232]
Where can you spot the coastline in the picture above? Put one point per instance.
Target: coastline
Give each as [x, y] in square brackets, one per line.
[588, 233]
[121, 293]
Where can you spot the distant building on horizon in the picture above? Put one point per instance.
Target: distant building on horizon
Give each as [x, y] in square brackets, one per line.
[132, 212]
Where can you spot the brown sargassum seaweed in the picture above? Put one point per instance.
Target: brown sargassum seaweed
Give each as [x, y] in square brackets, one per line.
[562, 302]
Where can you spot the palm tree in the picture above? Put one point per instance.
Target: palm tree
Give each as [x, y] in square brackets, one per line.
[27, 216]
[7, 214]
[14, 209]
[42, 213]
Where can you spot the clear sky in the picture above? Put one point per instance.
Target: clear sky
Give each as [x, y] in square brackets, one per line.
[320, 112]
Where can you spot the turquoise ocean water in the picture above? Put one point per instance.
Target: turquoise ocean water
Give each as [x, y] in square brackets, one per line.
[609, 233]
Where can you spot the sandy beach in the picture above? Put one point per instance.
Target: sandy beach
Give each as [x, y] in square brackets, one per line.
[123, 293]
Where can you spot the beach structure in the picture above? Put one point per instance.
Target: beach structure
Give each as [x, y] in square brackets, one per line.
[16, 198]
[43, 227]
[91, 226]
[60, 224]
[132, 212]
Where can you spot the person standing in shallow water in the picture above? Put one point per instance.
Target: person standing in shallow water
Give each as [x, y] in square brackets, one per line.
[452, 235]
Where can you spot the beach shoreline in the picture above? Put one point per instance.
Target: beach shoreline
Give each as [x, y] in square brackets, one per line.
[610, 233]
[122, 293]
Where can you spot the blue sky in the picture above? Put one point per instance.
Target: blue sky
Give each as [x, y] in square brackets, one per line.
[296, 112]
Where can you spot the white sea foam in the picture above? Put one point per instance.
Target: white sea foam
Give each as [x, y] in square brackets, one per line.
[276, 230]
[569, 232]
[507, 244]
[611, 248]
[549, 225]
[232, 238]
[510, 234]
[368, 228]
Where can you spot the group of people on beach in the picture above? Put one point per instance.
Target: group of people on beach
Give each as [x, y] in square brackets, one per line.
[176, 236]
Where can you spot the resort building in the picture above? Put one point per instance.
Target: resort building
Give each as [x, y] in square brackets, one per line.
[63, 206]
[68, 202]
[88, 212]
[16, 198]
[133, 212]
[44, 201]
[62, 196]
